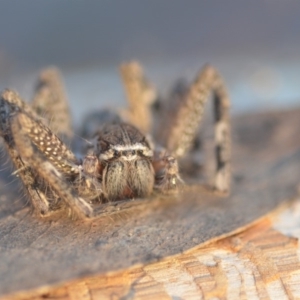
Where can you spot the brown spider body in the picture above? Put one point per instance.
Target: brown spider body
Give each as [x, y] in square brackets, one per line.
[122, 162]
[125, 159]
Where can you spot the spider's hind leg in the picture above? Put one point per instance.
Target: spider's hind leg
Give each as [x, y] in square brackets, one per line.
[140, 96]
[183, 127]
[50, 102]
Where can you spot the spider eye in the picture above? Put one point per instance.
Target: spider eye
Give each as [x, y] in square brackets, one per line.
[140, 152]
[116, 153]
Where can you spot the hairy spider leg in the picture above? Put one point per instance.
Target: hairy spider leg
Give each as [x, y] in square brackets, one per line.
[50, 102]
[49, 170]
[140, 95]
[182, 129]
[10, 104]
[39, 154]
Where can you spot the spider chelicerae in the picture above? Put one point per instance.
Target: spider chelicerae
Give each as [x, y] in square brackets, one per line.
[121, 160]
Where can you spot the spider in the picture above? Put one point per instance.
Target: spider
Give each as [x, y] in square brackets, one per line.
[121, 161]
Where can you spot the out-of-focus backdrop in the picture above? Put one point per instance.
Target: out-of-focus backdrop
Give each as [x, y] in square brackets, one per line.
[255, 44]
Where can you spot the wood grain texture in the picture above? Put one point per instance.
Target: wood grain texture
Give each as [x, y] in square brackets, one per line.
[37, 254]
[260, 263]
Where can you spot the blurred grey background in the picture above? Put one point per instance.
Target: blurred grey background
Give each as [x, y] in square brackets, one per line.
[255, 44]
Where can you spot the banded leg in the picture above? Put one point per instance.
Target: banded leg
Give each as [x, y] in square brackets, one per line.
[50, 102]
[39, 134]
[84, 178]
[46, 175]
[49, 171]
[140, 95]
[182, 130]
[10, 104]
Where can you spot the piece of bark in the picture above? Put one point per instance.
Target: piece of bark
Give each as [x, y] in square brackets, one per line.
[38, 253]
[260, 263]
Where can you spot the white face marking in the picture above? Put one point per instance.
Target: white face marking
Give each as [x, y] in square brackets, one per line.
[119, 148]
[137, 146]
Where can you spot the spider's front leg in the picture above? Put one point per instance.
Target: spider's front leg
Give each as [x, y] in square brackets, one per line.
[11, 104]
[55, 165]
[182, 128]
[48, 166]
